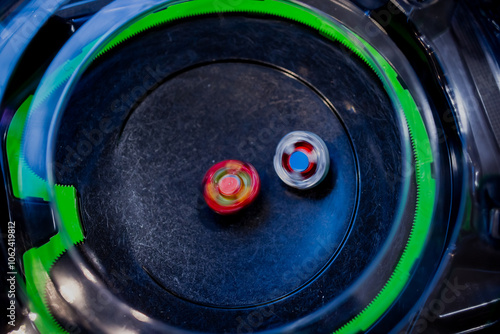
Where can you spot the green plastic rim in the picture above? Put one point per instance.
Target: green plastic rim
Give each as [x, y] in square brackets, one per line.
[38, 261]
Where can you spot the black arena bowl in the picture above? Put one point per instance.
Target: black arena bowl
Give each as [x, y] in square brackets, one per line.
[107, 148]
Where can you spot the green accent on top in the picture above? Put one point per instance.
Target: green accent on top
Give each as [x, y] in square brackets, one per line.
[58, 77]
[24, 182]
[39, 260]
[66, 201]
[37, 263]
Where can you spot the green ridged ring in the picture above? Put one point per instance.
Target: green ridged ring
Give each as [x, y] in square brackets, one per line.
[38, 261]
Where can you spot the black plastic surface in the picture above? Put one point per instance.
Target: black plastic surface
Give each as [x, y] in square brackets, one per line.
[226, 96]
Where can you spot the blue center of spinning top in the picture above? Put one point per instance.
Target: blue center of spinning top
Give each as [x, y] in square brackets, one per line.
[299, 161]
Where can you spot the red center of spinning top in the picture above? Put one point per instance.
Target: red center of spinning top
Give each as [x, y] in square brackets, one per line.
[230, 186]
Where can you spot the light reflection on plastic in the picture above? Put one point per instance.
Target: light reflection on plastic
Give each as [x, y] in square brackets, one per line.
[89, 275]
[32, 316]
[71, 291]
[140, 316]
[21, 330]
[122, 330]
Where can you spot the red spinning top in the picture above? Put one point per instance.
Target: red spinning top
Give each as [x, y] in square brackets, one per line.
[230, 185]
